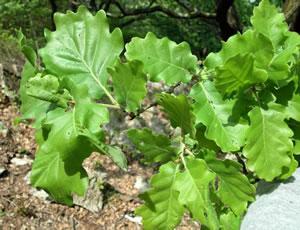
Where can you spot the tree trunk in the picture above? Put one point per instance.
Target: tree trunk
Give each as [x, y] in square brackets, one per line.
[53, 10]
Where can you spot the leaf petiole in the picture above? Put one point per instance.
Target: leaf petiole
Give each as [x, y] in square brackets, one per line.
[110, 106]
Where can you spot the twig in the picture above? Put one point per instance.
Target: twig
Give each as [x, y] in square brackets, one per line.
[241, 161]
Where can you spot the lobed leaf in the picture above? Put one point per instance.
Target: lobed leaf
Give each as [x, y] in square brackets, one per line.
[155, 148]
[249, 42]
[46, 88]
[162, 209]
[230, 221]
[268, 21]
[129, 83]
[68, 138]
[213, 112]
[82, 48]
[31, 108]
[179, 111]
[234, 188]
[237, 73]
[268, 143]
[193, 186]
[163, 59]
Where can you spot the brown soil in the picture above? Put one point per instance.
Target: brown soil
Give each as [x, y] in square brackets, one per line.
[19, 209]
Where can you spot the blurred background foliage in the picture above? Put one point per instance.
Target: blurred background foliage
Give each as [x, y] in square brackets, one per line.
[202, 23]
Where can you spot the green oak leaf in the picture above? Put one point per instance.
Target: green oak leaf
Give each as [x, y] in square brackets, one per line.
[238, 72]
[293, 108]
[82, 48]
[162, 209]
[31, 108]
[203, 141]
[193, 186]
[46, 88]
[268, 144]
[230, 221]
[280, 66]
[179, 111]
[249, 42]
[68, 139]
[154, 147]
[163, 59]
[268, 21]
[234, 188]
[288, 171]
[116, 154]
[129, 83]
[28, 51]
[213, 112]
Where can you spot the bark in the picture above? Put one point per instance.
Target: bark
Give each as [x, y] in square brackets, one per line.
[225, 11]
[291, 9]
[53, 10]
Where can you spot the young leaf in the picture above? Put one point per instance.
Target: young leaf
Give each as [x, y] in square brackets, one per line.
[28, 51]
[238, 72]
[116, 154]
[46, 88]
[163, 59]
[249, 42]
[234, 188]
[31, 108]
[280, 66]
[162, 210]
[268, 143]
[193, 186]
[268, 21]
[82, 48]
[155, 148]
[213, 112]
[179, 112]
[129, 83]
[230, 221]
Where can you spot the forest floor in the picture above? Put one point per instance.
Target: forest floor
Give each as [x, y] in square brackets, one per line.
[22, 208]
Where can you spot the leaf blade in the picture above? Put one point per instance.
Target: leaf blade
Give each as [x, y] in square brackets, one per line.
[163, 59]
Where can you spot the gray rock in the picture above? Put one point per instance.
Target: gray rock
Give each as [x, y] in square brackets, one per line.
[93, 199]
[277, 206]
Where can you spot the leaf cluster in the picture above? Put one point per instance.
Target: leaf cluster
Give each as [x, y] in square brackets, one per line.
[245, 105]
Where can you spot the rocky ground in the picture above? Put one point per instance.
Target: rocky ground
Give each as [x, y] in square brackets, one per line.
[113, 196]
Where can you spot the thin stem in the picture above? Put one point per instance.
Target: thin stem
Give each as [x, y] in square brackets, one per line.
[110, 106]
[106, 91]
[189, 151]
[111, 98]
[183, 160]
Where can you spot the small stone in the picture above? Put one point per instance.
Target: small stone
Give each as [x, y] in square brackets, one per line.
[21, 161]
[93, 199]
[141, 184]
[135, 219]
[27, 178]
[40, 194]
